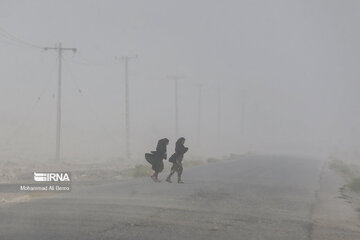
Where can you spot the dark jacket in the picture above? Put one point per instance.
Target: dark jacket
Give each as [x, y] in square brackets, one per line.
[180, 149]
[179, 146]
[155, 157]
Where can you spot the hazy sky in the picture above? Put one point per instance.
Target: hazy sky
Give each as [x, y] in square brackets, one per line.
[287, 71]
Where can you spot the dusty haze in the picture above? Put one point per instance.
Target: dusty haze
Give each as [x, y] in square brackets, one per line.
[286, 74]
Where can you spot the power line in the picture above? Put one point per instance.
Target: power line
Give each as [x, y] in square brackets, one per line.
[15, 39]
[10, 39]
[87, 103]
[86, 62]
[7, 42]
[31, 110]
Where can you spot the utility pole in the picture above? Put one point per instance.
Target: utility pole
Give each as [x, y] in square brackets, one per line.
[59, 49]
[176, 78]
[127, 105]
[219, 116]
[200, 86]
[243, 109]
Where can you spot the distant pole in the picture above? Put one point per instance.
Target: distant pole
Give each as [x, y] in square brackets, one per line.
[59, 49]
[242, 117]
[58, 119]
[219, 115]
[176, 78]
[127, 106]
[200, 86]
[176, 110]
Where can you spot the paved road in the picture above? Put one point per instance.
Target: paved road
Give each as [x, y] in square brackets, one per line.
[255, 197]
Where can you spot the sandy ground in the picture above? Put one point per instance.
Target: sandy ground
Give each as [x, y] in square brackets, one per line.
[12, 172]
[315, 206]
[335, 214]
[258, 197]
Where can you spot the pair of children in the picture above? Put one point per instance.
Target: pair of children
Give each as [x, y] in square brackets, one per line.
[155, 158]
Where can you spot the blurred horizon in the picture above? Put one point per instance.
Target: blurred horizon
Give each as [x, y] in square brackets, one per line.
[285, 74]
